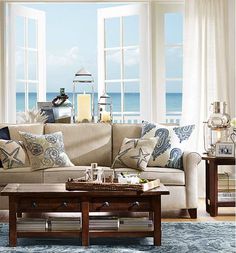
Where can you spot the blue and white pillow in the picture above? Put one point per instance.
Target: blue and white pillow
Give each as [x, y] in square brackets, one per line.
[46, 151]
[173, 141]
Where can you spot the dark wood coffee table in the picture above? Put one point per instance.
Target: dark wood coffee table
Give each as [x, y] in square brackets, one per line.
[39, 198]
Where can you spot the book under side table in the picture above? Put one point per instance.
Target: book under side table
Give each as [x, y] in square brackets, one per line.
[39, 198]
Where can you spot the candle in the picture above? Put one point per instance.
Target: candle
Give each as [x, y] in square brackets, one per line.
[105, 116]
[218, 136]
[84, 107]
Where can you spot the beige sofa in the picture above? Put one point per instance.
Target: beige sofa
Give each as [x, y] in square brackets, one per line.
[87, 143]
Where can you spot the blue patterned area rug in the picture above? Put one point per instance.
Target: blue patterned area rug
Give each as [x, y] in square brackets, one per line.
[191, 237]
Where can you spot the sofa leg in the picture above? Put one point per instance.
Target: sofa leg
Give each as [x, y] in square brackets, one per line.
[193, 213]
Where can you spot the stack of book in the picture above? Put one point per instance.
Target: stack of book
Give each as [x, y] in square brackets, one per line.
[226, 196]
[103, 223]
[226, 187]
[64, 223]
[135, 224]
[31, 224]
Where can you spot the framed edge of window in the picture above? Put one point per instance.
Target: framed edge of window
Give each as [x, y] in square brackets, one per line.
[225, 149]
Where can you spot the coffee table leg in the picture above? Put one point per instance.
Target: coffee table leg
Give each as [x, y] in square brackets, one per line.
[156, 206]
[150, 215]
[85, 223]
[12, 222]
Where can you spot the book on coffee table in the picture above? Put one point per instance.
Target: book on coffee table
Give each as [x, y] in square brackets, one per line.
[103, 222]
[135, 224]
[64, 223]
[31, 224]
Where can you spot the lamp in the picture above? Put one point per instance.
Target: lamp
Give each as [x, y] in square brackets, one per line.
[105, 108]
[218, 125]
[85, 103]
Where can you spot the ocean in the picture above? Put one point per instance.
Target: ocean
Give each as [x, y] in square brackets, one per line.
[131, 101]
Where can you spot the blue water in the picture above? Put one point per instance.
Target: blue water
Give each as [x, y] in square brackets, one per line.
[131, 101]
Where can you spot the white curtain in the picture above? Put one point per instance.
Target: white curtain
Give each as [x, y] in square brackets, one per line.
[205, 60]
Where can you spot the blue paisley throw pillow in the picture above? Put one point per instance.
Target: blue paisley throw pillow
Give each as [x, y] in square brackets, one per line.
[46, 151]
[173, 141]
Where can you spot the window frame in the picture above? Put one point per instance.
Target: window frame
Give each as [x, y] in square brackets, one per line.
[144, 67]
[13, 11]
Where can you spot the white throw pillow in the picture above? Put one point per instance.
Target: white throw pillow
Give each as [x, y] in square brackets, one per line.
[135, 153]
[13, 154]
[173, 141]
[46, 151]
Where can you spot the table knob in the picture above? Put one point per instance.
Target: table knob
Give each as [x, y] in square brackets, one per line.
[34, 204]
[64, 204]
[105, 204]
[136, 203]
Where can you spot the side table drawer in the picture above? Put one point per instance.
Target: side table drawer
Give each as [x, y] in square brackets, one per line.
[48, 204]
[120, 204]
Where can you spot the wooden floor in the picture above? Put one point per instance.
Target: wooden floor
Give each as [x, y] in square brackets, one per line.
[225, 214]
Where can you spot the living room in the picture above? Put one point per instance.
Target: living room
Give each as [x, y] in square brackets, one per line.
[117, 121]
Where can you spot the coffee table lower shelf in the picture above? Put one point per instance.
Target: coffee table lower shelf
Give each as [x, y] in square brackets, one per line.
[78, 234]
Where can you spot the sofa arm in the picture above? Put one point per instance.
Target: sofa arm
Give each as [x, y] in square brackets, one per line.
[190, 162]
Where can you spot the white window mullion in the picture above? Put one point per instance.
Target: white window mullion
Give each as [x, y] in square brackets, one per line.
[101, 55]
[122, 67]
[174, 79]
[42, 96]
[119, 80]
[26, 65]
[41, 57]
[29, 48]
[117, 48]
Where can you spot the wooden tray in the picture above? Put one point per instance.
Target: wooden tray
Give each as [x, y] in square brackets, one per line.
[74, 184]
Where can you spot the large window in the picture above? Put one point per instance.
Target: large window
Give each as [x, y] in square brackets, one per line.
[122, 60]
[139, 69]
[26, 70]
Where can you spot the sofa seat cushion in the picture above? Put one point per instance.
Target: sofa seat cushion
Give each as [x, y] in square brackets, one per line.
[61, 175]
[20, 175]
[168, 176]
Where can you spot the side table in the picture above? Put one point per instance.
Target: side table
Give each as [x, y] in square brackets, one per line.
[212, 202]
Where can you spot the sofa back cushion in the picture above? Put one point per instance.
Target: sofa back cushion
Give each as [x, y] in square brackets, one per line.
[85, 143]
[121, 131]
[29, 128]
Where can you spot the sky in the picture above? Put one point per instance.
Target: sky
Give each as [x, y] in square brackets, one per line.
[71, 43]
